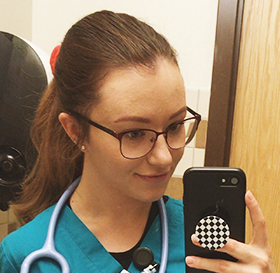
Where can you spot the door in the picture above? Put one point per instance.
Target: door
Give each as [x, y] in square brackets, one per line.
[255, 145]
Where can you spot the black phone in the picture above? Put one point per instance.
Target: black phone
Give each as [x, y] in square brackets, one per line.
[214, 210]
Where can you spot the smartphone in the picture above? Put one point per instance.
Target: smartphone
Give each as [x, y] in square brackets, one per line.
[213, 194]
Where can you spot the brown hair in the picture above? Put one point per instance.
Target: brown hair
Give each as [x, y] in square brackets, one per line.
[95, 45]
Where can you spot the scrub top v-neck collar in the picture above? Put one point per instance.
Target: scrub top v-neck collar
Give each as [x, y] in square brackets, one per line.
[94, 251]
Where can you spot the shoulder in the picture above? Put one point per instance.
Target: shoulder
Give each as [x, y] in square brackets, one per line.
[174, 209]
[17, 245]
[175, 202]
[175, 213]
[34, 229]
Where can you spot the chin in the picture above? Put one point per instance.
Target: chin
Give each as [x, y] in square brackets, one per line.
[154, 195]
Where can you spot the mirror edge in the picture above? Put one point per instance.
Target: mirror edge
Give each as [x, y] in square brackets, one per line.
[224, 78]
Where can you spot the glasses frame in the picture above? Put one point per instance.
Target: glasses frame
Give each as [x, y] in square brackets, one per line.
[196, 117]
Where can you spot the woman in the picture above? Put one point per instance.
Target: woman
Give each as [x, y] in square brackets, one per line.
[113, 115]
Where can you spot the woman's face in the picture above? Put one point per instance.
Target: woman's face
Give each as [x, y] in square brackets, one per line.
[135, 98]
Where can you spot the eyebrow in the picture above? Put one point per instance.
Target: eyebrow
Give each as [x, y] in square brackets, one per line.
[132, 118]
[179, 112]
[146, 120]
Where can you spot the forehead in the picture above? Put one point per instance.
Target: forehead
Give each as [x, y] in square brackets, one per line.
[142, 91]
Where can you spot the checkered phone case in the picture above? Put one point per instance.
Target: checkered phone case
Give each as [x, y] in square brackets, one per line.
[212, 232]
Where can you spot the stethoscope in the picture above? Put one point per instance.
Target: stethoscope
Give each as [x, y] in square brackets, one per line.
[48, 250]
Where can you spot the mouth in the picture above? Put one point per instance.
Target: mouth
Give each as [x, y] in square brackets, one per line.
[154, 178]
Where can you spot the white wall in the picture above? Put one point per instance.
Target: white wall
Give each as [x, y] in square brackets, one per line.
[16, 17]
[189, 25]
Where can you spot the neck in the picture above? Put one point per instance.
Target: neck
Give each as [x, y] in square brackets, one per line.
[117, 221]
[107, 202]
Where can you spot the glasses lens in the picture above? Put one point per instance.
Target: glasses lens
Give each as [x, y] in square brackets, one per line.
[137, 143]
[181, 133]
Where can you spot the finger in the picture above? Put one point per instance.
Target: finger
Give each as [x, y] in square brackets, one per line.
[213, 265]
[195, 240]
[238, 250]
[260, 237]
[250, 256]
[234, 248]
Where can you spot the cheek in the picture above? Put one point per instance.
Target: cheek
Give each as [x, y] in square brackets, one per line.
[104, 154]
[178, 155]
[100, 142]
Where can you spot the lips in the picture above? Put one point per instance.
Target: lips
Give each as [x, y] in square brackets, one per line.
[155, 178]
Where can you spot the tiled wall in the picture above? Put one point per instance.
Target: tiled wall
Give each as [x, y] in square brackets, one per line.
[7, 223]
[198, 100]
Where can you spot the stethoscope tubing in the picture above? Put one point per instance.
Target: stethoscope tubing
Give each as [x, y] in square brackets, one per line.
[49, 251]
[164, 232]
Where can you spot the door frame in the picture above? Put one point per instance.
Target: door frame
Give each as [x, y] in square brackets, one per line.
[224, 78]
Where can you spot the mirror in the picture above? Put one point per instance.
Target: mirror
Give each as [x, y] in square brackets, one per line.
[190, 26]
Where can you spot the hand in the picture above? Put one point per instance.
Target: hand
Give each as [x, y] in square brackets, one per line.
[255, 257]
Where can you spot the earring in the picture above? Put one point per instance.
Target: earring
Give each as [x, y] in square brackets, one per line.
[83, 147]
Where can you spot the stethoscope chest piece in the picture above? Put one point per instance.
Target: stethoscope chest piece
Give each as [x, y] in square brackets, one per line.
[143, 258]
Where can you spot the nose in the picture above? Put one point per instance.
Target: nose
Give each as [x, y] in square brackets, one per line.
[160, 155]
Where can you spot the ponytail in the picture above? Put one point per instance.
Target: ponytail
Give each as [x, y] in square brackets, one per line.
[58, 163]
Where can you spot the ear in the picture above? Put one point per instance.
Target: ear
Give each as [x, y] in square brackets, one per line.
[70, 125]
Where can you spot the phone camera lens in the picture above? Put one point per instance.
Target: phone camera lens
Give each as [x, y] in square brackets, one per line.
[234, 181]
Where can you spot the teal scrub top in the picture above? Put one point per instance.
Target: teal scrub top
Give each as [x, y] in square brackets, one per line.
[82, 250]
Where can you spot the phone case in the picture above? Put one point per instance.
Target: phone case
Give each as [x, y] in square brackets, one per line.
[214, 209]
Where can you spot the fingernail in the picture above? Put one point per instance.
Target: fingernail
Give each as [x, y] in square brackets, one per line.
[250, 196]
[189, 260]
[194, 238]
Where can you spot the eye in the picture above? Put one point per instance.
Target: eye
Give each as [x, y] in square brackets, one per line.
[175, 126]
[134, 135]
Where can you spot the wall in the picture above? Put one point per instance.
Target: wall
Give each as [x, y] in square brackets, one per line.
[256, 128]
[16, 17]
[188, 24]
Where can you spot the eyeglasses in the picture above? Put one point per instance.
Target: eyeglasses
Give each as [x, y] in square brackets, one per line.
[138, 143]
